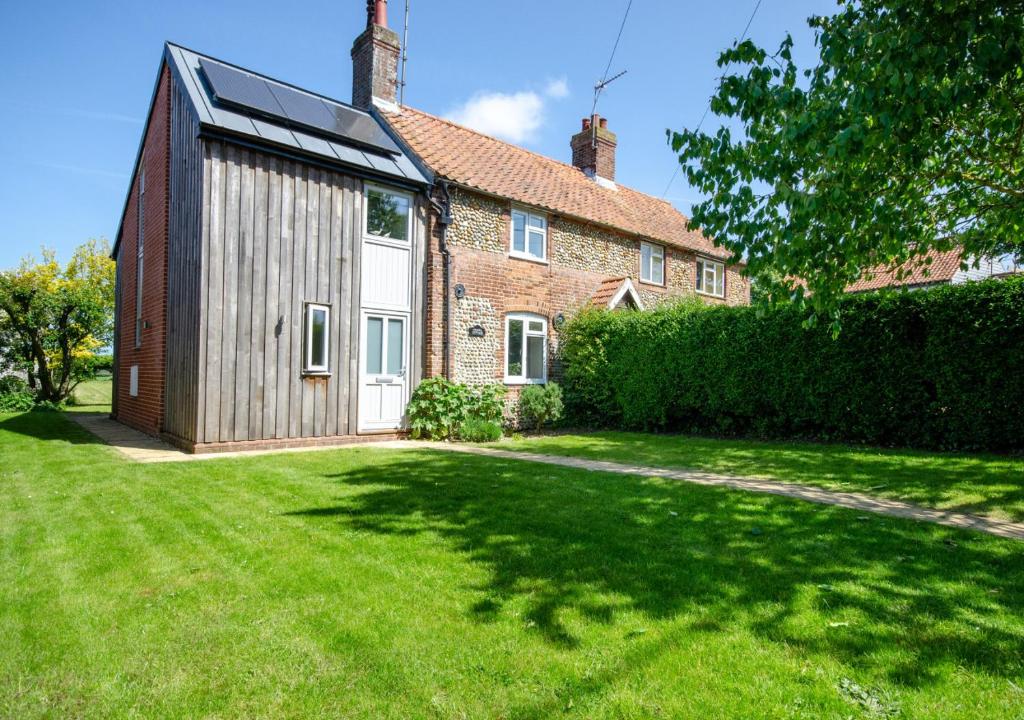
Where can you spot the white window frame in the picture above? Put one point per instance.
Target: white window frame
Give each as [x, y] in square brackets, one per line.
[526, 319]
[525, 253]
[701, 279]
[140, 246]
[367, 187]
[655, 251]
[308, 367]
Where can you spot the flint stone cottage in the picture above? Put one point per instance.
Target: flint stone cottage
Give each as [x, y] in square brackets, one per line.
[289, 266]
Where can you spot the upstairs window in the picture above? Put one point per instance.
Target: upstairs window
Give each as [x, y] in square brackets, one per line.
[388, 214]
[529, 236]
[141, 245]
[652, 263]
[710, 277]
[317, 339]
[526, 342]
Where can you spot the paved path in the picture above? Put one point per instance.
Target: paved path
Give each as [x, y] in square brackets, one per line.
[854, 501]
[139, 447]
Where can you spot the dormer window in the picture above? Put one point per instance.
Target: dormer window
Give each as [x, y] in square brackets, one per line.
[529, 236]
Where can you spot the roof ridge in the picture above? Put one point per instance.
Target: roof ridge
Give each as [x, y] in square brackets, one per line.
[546, 158]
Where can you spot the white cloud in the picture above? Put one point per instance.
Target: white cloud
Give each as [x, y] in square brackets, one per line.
[557, 88]
[515, 117]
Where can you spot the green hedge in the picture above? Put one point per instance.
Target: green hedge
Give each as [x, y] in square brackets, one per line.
[940, 368]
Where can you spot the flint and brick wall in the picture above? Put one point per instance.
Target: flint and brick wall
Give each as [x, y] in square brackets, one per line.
[580, 257]
[145, 411]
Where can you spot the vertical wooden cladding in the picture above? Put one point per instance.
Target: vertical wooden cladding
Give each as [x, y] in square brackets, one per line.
[184, 248]
[277, 234]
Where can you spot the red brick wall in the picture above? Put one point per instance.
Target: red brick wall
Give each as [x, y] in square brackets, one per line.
[145, 412]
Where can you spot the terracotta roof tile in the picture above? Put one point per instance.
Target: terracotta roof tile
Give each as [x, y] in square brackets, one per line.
[932, 267]
[478, 161]
[606, 291]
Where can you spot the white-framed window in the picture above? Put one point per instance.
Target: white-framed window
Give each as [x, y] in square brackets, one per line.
[526, 349]
[710, 277]
[529, 236]
[652, 263]
[317, 339]
[141, 244]
[388, 214]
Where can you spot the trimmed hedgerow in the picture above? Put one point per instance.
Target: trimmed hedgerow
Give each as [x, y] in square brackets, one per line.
[939, 368]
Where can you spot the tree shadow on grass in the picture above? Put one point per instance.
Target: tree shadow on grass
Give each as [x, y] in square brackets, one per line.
[970, 483]
[48, 425]
[568, 540]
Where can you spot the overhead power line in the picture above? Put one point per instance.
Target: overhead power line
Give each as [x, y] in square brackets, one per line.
[605, 80]
[703, 117]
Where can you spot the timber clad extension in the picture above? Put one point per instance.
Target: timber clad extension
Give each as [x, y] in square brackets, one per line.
[247, 226]
[305, 263]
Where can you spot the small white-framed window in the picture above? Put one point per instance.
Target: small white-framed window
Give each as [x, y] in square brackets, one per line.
[710, 277]
[317, 339]
[388, 214]
[529, 236]
[652, 263]
[526, 349]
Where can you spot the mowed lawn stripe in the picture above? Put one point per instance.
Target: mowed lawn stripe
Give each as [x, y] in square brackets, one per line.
[367, 582]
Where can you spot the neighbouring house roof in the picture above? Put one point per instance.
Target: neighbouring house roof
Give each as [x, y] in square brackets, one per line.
[477, 161]
[613, 291]
[932, 268]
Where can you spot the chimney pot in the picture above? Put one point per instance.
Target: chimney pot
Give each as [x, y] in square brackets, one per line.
[376, 13]
[593, 148]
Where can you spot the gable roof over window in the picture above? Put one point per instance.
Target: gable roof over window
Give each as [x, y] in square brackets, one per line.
[484, 163]
[616, 293]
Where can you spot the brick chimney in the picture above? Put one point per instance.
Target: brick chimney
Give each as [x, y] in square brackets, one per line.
[593, 148]
[375, 59]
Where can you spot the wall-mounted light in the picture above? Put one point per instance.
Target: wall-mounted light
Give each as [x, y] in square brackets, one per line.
[559, 321]
[460, 291]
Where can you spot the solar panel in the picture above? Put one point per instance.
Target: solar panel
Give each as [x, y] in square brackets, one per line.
[294, 108]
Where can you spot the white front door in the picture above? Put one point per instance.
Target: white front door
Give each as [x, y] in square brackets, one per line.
[383, 376]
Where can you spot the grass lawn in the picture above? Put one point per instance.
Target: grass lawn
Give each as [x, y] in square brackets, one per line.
[92, 396]
[374, 583]
[985, 485]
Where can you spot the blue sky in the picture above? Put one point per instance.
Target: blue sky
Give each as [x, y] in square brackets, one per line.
[78, 76]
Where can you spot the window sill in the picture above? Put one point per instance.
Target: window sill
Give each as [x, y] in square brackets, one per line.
[712, 295]
[520, 381]
[650, 283]
[528, 258]
[316, 373]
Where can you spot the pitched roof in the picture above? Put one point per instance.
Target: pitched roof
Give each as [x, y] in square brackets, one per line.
[930, 268]
[277, 132]
[613, 291]
[481, 162]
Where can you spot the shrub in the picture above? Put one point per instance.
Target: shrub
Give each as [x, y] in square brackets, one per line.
[475, 429]
[936, 368]
[541, 404]
[15, 395]
[439, 408]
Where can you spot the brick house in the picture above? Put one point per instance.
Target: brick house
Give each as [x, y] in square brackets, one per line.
[531, 240]
[290, 266]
